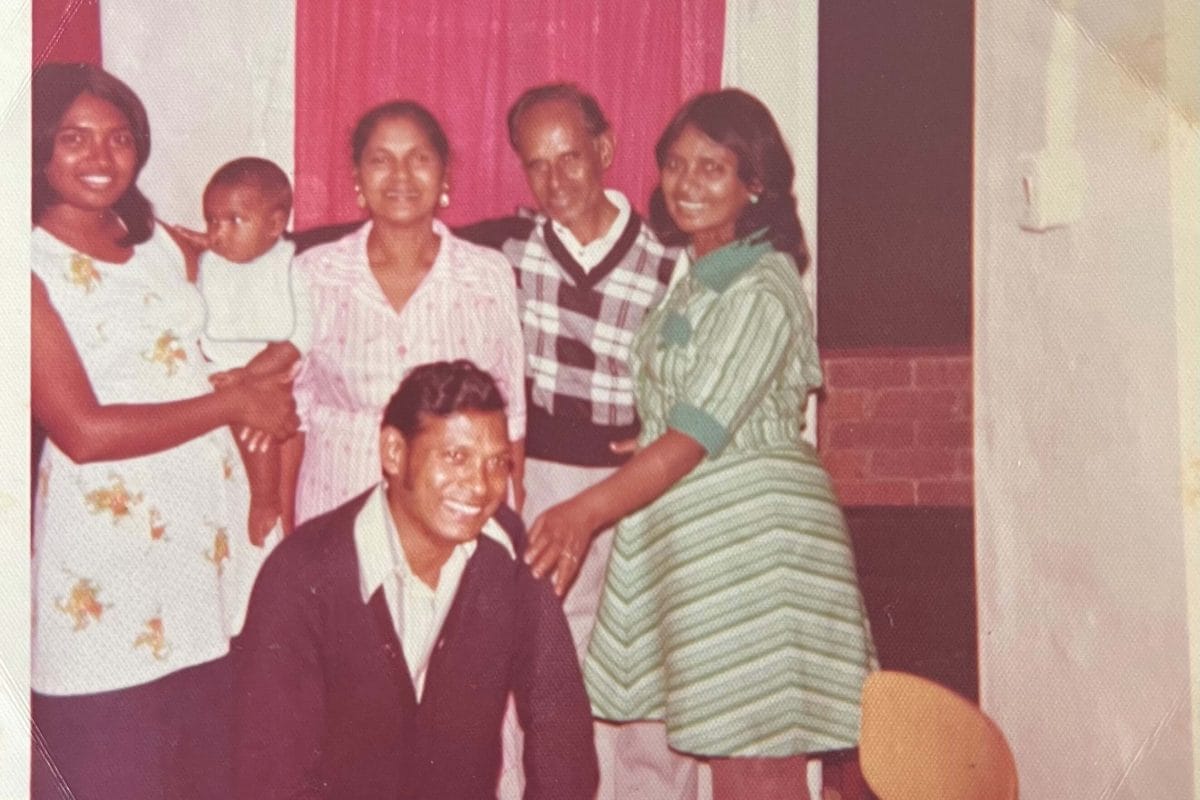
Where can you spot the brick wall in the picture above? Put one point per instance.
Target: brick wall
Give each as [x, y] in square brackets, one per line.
[894, 426]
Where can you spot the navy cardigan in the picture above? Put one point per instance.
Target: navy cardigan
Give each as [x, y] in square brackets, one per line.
[326, 707]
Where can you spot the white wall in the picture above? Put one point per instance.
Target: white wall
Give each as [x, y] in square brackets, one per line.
[771, 52]
[1084, 340]
[217, 79]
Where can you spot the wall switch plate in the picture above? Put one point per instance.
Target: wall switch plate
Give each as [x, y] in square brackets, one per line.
[1053, 185]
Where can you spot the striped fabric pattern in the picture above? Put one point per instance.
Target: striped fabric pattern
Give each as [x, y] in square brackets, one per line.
[731, 608]
[465, 307]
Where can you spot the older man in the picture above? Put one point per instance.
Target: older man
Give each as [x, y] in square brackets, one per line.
[384, 637]
[588, 270]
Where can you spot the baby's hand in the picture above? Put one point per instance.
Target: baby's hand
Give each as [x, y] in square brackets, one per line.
[227, 378]
[277, 358]
[196, 239]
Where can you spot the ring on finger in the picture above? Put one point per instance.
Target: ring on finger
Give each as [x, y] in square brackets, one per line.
[574, 558]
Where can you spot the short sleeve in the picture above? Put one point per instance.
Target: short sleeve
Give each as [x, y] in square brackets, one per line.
[739, 344]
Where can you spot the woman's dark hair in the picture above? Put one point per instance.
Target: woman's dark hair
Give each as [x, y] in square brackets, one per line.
[440, 389]
[405, 109]
[737, 120]
[54, 88]
[594, 121]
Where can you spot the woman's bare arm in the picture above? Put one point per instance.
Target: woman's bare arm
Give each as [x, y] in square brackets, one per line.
[559, 538]
[65, 404]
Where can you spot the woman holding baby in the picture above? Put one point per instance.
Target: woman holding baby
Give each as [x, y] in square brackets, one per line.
[141, 503]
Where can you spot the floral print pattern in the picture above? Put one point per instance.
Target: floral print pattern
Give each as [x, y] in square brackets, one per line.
[158, 528]
[219, 553]
[157, 563]
[83, 273]
[82, 604]
[153, 639]
[115, 499]
[167, 351]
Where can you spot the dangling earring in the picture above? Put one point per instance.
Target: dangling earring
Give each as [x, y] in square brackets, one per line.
[361, 199]
[753, 199]
[444, 198]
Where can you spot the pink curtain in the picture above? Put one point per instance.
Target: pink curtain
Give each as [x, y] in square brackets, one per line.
[467, 60]
[66, 30]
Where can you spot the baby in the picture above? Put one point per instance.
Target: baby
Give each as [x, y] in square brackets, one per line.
[254, 321]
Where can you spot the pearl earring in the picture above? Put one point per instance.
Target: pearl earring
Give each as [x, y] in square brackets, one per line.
[444, 199]
[753, 199]
[361, 199]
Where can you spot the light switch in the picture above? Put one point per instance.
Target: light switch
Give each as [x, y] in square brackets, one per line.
[1053, 185]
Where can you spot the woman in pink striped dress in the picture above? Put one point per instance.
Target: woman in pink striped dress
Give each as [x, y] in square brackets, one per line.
[398, 292]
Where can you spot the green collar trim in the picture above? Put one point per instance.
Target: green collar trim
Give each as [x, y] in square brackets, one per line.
[722, 266]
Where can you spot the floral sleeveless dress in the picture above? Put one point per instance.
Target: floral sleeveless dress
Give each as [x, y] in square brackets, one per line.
[141, 566]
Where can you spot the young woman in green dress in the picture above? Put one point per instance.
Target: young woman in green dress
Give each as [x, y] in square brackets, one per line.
[731, 610]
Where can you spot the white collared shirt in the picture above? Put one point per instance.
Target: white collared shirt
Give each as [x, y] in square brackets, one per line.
[418, 610]
[590, 254]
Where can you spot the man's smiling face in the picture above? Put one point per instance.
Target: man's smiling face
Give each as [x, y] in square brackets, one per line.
[447, 480]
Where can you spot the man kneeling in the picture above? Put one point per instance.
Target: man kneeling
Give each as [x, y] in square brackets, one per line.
[383, 638]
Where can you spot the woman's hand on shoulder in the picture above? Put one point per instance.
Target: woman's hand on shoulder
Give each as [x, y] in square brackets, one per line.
[558, 542]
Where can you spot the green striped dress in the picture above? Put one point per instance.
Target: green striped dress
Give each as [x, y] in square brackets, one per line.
[731, 608]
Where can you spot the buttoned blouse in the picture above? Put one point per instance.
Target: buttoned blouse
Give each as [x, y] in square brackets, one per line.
[362, 347]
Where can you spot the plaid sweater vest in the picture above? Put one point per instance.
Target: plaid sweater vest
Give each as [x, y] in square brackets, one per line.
[579, 326]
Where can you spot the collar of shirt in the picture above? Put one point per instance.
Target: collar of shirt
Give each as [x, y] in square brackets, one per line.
[418, 610]
[354, 249]
[378, 545]
[720, 268]
[590, 254]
